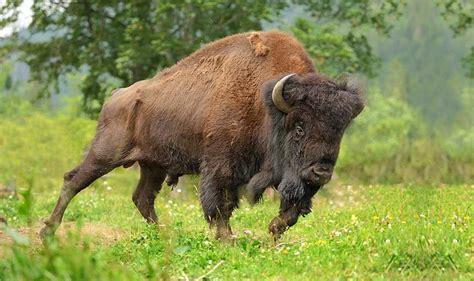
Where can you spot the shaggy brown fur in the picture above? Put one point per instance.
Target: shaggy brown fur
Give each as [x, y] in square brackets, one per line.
[206, 114]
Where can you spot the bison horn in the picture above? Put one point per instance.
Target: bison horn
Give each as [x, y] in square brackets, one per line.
[277, 95]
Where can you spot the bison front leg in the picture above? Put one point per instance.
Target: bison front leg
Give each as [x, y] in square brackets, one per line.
[290, 211]
[219, 197]
[74, 181]
[285, 220]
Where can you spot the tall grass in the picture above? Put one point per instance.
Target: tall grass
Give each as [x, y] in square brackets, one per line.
[72, 259]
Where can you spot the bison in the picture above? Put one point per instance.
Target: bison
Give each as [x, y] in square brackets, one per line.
[249, 109]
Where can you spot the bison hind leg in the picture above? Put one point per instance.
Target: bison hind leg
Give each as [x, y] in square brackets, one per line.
[74, 181]
[70, 175]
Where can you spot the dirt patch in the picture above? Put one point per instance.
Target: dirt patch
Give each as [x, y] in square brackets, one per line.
[101, 233]
[104, 233]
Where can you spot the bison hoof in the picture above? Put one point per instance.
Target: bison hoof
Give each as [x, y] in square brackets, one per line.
[277, 227]
[228, 239]
[47, 232]
[224, 233]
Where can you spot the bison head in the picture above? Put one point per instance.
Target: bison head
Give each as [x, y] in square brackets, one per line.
[309, 114]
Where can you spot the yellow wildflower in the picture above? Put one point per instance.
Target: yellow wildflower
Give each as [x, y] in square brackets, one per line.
[320, 242]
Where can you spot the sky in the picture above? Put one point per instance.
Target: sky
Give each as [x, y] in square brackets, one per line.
[24, 18]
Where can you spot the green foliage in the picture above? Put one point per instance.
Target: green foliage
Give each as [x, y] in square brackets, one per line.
[389, 142]
[429, 58]
[334, 53]
[460, 12]
[9, 12]
[38, 145]
[460, 142]
[60, 261]
[380, 132]
[357, 13]
[468, 63]
[14, 106]
[333, 33]
[17, 98]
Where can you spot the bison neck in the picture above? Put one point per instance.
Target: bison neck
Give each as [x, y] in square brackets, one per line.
[273, 151]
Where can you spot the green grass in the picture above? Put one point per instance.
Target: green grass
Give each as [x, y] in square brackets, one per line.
[354, 232]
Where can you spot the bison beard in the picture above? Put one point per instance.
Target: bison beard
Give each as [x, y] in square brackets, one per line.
[209, 114]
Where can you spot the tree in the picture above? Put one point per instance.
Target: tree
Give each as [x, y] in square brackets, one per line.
[334, 35]
[125, 40]
[461, 15]
[424, 44]
[333, 52]
[118, 42]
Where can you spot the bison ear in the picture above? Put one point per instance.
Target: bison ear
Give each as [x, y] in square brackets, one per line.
[357, 107]
[351, 85]
[357, 91]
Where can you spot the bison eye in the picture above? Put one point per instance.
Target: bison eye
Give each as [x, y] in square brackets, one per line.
[299, 130]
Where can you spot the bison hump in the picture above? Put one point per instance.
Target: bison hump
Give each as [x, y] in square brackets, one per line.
[258, 46]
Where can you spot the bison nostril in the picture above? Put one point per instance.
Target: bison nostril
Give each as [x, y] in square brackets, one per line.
[321, 170]
[316, 175]
[322, 174]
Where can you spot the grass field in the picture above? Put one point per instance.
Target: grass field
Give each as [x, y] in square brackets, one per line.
[354, 232]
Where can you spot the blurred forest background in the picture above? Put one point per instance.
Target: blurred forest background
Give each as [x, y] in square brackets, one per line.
[61, 59]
